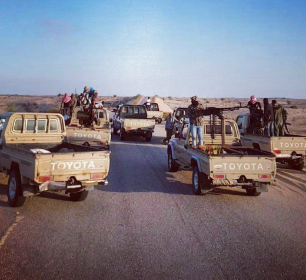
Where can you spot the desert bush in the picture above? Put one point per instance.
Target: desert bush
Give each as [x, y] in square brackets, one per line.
[170, 97]
[288, 102]
[293, 107]
[207, 101]
[60, 94]
[11, 108]
[294, 119]
[222, 99]
[114, 95]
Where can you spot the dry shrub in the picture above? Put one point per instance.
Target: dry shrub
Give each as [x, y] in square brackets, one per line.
[293, 107]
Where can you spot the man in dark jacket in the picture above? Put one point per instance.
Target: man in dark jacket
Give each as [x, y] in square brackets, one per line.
[195, 113]
[268, 117]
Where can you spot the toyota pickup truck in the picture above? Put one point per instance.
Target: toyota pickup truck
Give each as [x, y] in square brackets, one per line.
[34, 154]
[80, 131]
[222, 161]
[133, 120]
[153, 112]
[290, 149]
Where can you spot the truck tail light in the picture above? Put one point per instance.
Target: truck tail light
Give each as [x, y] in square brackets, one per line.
[219, 176]
[127, 127]
[277, 152]
[42, 179]
[265, 176]
[97, 176]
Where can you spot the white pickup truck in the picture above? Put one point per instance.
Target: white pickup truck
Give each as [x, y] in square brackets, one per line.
[133, 120]
[289, 149]
[34, 154]
[217, 165]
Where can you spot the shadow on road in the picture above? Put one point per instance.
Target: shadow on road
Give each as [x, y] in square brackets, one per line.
[138, 166]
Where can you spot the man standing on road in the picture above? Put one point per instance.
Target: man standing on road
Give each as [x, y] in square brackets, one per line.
[195, 112]
[268, 117]
[169, 128]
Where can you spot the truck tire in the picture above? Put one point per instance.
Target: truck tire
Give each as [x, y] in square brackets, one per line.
[78, 196]
[122, 134]
[297, 166]
[253, 192]
[14, 190]
[197, 181]
[149, 137]
[172, 165]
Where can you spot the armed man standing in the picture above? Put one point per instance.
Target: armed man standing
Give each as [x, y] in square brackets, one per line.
[195, 112]
[268, 117]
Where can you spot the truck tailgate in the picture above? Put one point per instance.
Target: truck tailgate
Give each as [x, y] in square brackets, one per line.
[144, 124]
[83, 135]
[287, 145]
[82, 165]
[252, 167]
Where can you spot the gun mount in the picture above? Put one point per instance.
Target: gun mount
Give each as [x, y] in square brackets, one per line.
[214, 112]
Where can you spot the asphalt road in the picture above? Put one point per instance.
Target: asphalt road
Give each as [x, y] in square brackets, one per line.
[147, 224]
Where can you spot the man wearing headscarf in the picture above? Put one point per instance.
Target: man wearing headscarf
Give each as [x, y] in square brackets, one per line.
[195, 112]
[256, 113]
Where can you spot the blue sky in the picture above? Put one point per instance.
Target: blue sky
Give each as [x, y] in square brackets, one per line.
[171, 48]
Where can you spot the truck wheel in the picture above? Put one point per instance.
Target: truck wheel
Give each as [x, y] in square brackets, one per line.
[172, 165]
[122, 134]
[78, 196]
[197, 181]
[148, 136]
[14, 191]
[297, 166]
[253, 192]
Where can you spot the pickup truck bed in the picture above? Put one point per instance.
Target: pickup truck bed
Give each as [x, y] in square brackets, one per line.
[222, 165]
[34, 154]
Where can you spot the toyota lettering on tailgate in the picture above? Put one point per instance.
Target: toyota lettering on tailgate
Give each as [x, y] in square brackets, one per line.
[240, 166]
[292, 145]
[140, 124]
[89, 136]
[70, 165]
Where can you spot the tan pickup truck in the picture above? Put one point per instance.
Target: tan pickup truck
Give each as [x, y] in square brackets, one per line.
[289, 149]
[132, 120]
[35, 156]
[80, 131]
[153, 112]
[221, 165]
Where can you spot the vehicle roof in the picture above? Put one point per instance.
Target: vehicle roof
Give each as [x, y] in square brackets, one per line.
[7, 114]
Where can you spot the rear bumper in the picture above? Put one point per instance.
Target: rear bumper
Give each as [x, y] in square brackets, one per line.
[63, 186]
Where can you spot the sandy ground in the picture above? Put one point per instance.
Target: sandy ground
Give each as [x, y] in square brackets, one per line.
[295, 107]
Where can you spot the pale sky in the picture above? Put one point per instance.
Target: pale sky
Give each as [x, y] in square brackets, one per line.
[169, 48]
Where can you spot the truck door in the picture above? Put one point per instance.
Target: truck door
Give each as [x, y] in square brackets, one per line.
[241, 122]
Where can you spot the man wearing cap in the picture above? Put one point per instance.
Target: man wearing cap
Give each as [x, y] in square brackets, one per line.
[195, 112]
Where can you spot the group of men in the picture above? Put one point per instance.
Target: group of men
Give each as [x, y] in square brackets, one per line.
[274, 116]
[88, 100]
